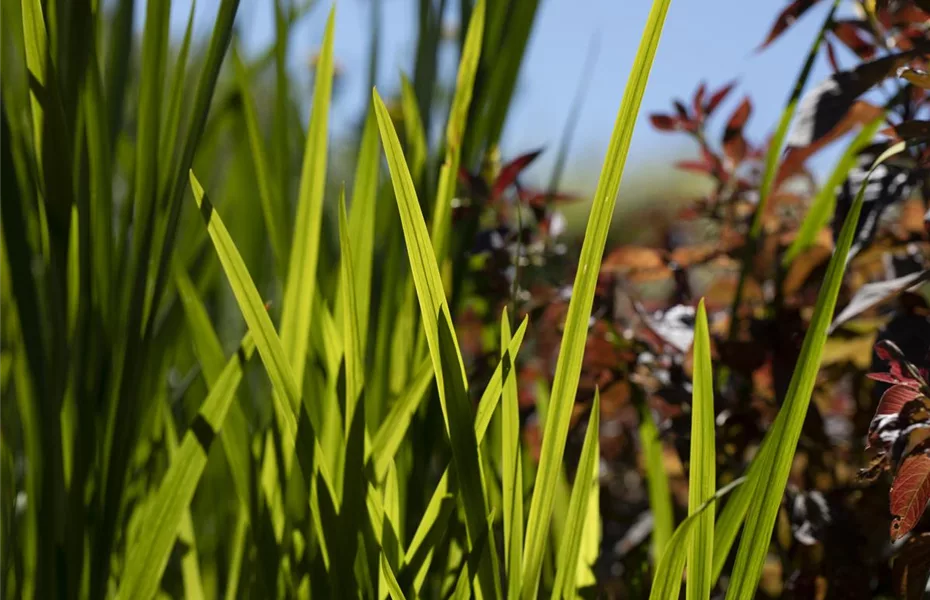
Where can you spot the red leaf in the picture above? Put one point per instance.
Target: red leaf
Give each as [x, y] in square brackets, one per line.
[884, 378]
[895, 398]
[847, 31]
[698, 102]
[787, 18]
[510, 171]
[665, 122]
[909, 494]
[718, 97]
[734, 145]
[682, 111]
[831, 56]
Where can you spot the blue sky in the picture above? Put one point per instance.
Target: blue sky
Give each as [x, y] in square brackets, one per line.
[712, 41]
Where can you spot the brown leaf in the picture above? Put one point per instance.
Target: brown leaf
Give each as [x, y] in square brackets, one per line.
[718, 97]
[633, 258]
[909, 494]
[894, 399]
[510, 171]
[847, 31]
[734, 144]
[786, 18]
[912, 566]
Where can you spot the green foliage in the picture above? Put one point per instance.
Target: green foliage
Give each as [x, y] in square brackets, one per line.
[353, 459]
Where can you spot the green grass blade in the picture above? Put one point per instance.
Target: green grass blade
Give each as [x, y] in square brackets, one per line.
[36, 41]
[511, 467]
[570, 550]
[362, 222]
[455, 131]
[209, 352]
[238, 542]
[465, 457]
[300, 286]
[733, 514]
[394, 427]
[256, 317]
[392, 585]
[101, 180]
[773, 474]
[355, 376]
[414, 134]
[169, 133]
[778, 138]
[148, 556]
[434, 517]
[821, 207]
[272, 211]
[666, 582]
[196, 126]
[568, 369]
[190, 563]
[660, 495]
[702, 476]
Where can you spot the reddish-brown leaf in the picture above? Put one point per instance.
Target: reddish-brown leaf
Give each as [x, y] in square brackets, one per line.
[831, 56]
[847, 31]
[909, 494]
[718, 97]
[787, 18]
[510, 171]
[895, 397]
[734, 144]
[697, 103]
[911, 567]
[665, 122]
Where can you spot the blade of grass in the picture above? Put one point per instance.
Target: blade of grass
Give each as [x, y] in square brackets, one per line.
[666, 583]
[169, 133]
[771, 166]
[148, 556]
[455, 132]
[733, 514]
[702, 476]
[392, 585]
[270, 347]
[190, 563]
[209, 352]
[419, 548]
[773, 474]
[512, 471]
[355, 376]
[272, 211]
[568, 369]
[393, 429]
[823, 204]
[414, 134]
[300, 286]
[660, 495]
[570, 550]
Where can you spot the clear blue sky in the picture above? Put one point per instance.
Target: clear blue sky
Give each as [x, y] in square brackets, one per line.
[713, 41]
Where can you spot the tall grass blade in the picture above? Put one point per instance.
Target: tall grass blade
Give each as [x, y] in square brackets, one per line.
[666, 582]
[773, 474]
[301, 283]
[570, 551]
[660, 494]
[272, 211]
[512, 472]
[702, 478]
[392, 585]
[823, 204]
[568, 369]
[455, 132]
[148, 556]
[256, 317]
